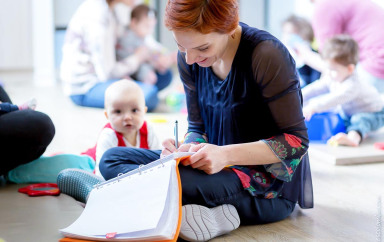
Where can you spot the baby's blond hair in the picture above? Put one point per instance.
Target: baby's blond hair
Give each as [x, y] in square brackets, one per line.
[122, 87]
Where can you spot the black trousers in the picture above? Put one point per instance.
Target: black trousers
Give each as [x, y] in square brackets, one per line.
[24, 136]
[200, 188]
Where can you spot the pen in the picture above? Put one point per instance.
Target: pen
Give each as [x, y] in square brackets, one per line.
[176, 135]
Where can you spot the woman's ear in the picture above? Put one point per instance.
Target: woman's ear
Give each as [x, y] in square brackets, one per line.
[232, 33]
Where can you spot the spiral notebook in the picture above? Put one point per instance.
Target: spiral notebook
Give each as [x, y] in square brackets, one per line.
[141, 205]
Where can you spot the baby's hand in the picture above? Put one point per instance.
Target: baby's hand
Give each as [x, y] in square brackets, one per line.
[163, 63]
[308, 113]
[150, 78]
[142, 54]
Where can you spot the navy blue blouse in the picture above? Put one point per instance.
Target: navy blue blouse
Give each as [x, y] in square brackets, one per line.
[260, 99]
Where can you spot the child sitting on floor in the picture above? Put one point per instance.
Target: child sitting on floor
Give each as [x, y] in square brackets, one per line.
[137, 36]
[125, 110]
[340, 89]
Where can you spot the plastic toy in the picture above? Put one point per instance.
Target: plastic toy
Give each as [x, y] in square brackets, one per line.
[323, 126]
[379, 145]
[175, 100]
[40, 189]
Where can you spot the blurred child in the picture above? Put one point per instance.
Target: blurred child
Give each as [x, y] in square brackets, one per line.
[298, 31]
[125, 110]
[136, 37]
[341, 89]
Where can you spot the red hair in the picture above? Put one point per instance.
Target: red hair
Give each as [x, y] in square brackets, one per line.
[204, 16]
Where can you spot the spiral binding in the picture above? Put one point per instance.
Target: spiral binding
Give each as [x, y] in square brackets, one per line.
[140, 168]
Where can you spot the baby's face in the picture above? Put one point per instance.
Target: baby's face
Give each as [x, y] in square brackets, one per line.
[145, 26]
[336, 71]
[126, 113]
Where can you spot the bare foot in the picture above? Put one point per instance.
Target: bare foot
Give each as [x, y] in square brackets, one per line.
[30, 104]
[343, 139]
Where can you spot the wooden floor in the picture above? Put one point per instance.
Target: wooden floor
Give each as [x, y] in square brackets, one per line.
[348, 199]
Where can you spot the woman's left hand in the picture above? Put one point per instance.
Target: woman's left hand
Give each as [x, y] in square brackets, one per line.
[208, 158]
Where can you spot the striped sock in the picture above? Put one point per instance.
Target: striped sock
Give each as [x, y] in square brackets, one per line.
[77, 183]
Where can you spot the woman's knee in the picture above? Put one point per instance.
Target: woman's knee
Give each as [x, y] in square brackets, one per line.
[32, 127]
[43, 126]
[108, 163]
[123, 159]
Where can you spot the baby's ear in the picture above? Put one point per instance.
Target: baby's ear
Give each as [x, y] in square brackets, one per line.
[351, 68]
[106, 114]
[145, 109]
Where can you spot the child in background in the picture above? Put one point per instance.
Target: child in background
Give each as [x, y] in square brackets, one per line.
[125, 109]
[358, 103]
[298, 31]
[142, 24]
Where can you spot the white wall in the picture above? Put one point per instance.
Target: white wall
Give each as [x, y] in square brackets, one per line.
[278, 11]
[63, 11]
[252, 13]
[379, 2]
[26, 38]
[43, 42]
[15, 35]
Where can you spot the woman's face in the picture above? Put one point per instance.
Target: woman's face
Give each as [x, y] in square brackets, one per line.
[203, 49]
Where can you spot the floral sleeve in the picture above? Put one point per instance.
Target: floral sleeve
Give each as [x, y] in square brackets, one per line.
[276, 76]
[195, 138]
[290, 150]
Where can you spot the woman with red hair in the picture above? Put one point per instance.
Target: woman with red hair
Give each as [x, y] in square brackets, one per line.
[245, 123]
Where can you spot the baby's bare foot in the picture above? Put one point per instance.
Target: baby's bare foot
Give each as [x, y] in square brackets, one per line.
[30, 104]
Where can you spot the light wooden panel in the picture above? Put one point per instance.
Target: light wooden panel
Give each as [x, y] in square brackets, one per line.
[344, 155]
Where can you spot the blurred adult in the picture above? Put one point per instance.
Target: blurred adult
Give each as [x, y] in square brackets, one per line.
[297, 30]
[89, 62]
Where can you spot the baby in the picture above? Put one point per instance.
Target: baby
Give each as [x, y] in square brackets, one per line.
[125, 110]
[137, 38]
[341, 90]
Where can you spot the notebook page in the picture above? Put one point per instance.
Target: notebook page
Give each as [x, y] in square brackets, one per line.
[169, 219]
[120, 207]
